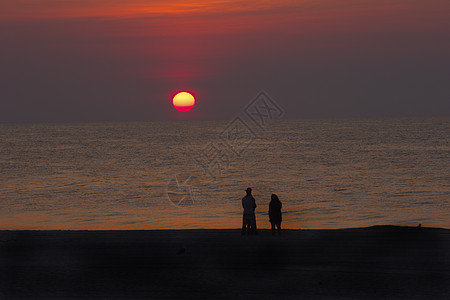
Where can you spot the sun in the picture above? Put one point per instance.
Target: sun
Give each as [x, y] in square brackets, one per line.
[183, 101]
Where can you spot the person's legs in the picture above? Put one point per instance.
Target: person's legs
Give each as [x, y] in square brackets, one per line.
[254, 224]
[246, 224]
[273, 227]
[279, 227]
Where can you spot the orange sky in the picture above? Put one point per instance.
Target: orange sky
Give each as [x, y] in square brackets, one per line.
[165, 46]
[54, 9]
[132, 8]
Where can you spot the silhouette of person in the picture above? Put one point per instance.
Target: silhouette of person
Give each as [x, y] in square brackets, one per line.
[275, 213]
[248, 218]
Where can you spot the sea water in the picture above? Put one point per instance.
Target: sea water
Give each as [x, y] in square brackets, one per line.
[328, 173]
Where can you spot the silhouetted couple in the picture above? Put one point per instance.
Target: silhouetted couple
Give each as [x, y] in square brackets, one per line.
[249, 219]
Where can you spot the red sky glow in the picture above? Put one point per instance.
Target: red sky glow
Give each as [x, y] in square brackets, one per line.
[68, 60]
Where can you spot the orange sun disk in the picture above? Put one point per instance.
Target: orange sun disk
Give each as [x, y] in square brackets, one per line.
[183, 101]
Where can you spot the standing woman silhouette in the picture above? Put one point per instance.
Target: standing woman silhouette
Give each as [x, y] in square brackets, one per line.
[275, 213]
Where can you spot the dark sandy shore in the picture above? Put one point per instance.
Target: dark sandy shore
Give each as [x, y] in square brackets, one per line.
[382, 262]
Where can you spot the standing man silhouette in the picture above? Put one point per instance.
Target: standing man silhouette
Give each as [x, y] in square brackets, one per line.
[249, 219]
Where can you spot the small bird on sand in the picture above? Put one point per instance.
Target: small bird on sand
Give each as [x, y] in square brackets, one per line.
[182, 250]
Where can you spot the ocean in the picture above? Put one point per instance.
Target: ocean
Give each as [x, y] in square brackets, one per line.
[328, 173]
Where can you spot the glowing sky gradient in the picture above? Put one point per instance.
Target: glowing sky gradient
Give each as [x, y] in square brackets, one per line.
[80, 60]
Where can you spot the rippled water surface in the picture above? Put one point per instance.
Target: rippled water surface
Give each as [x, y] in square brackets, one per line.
[330, 173]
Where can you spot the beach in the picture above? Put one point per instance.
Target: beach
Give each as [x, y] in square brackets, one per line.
[380, 262]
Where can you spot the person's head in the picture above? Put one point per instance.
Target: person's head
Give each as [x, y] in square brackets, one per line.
[274, 197]
[248, 191]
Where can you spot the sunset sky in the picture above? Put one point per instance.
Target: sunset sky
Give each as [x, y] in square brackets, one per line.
[122, 60]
